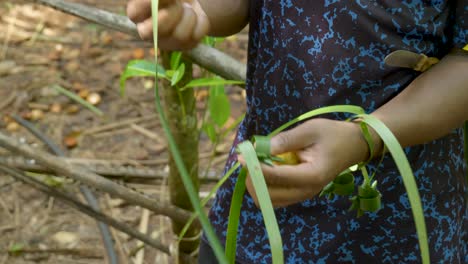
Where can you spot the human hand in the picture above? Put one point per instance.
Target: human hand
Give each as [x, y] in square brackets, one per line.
[181, 23]
[325, 148]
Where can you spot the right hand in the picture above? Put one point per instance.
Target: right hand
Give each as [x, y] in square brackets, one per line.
[181, 23]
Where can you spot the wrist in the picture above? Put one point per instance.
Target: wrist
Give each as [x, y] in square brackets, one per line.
[368, 150]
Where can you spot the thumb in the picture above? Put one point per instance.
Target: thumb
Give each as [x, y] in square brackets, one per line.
[291, 140]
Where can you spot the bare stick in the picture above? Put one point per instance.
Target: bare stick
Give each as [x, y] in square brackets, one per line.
[108, 170]
[205, 56]
[104, 170]
[119, 124]
[85, 209]
[91, 179]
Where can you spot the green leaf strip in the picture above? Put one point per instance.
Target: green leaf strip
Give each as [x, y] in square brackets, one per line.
[262, 146]
[409, 181]
[247, 150]
[207, 198]
[320, 111]
[234, 215]
[368, 138]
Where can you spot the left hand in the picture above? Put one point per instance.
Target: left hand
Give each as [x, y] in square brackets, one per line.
[325, 148]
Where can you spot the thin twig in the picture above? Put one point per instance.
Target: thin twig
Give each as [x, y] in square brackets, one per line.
[118, 124]
[8, 100]
[121, 248]
[5, 208]
[149, 134]
[11, 27]
[143, 229]
[107, 170]
[83, 252]
[91, 179]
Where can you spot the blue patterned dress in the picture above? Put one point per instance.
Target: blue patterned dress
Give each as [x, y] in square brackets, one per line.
[305, 54]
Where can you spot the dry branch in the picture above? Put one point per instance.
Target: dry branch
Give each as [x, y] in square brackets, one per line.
[107, 170]
[205, 56]
[85, 208]
[91, 179]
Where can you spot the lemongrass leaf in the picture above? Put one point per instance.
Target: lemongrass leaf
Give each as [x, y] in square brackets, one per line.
[409, 181]
[274, 237]
[320, 111]
[207, 198]
[234, 215]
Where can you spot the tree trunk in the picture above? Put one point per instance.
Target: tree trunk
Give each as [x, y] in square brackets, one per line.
[180, 107]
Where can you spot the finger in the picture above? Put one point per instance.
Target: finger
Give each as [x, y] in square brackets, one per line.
[294, 139]
[203, 24]
[138, 10]
[168, 19]
[306, 174]
[183, 31]
[145, 29]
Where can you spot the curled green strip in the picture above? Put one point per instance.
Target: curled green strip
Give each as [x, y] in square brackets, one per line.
[344, 184]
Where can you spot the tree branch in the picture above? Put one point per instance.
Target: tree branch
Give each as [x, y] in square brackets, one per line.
[91, 179]
[205, 56]
[88, 210]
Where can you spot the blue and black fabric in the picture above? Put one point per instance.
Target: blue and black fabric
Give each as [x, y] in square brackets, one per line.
[307, 54]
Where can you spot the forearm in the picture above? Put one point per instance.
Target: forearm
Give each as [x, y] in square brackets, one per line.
[432, 105]
[226, 17]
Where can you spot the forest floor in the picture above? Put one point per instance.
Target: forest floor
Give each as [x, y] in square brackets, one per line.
[40, 48]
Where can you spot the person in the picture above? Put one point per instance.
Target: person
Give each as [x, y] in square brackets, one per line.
[307, 54]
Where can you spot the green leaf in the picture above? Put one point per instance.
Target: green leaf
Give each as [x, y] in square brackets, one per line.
[320, 111]
[186, 180]
[140, 68]
[261, 190]
[16, 249]
[368, 138]
[78, 99]
[175, 59]
[233, 125]
[409, 181]
[217, 90]
[214, 81]
[210, 131]
[234, 215]
[211, 41]
[178, 74]
[219, 108]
